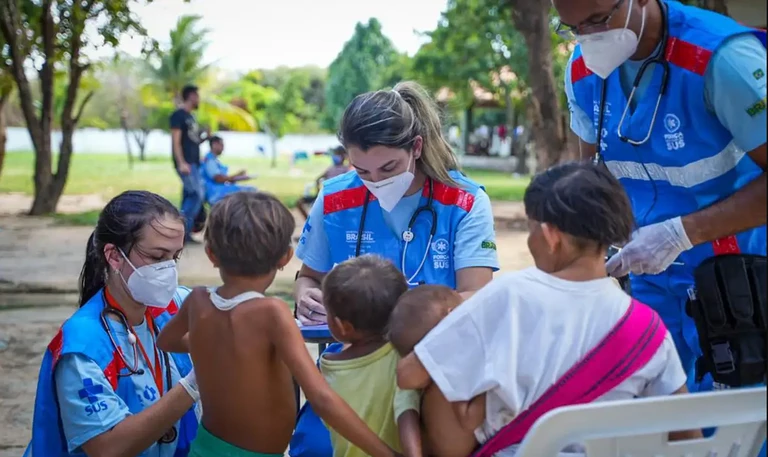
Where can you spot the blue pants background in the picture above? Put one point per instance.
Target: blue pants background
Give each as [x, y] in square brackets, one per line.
[192, 195]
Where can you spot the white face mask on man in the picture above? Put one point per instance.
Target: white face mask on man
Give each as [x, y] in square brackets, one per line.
[605, 51]
[154, 284]
[390, 191]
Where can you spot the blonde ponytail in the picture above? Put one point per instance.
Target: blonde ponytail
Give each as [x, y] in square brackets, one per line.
[437, 157]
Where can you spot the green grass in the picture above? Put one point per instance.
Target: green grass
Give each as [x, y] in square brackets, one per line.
[107, 175]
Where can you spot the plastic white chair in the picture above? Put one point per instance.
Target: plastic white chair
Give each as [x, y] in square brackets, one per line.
[639, 428]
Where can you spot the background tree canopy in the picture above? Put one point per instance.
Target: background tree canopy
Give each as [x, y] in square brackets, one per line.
[501, 52]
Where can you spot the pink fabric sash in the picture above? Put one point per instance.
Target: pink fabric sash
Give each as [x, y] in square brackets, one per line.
[629, 345]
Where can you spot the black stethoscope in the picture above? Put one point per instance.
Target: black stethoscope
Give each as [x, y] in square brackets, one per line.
[407, 235]
[658, 58]
[133, 369]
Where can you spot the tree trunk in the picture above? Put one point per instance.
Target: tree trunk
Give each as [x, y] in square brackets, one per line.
[127, 134]
[3, 132]
[273, 140]
[531, 18]
[141, 141]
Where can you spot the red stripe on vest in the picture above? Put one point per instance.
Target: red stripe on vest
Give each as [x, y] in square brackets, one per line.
[113, 370]
[727, 245]
[110, 372]
[451, 196]
[579, 70]
[345, 199]
[688, 56]
[55, 346]
[172, 309]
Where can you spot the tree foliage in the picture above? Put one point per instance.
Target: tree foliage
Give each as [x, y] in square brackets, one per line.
[508, 49]
[357, 69]
[182, 61]
[474, 41]
[48, 36]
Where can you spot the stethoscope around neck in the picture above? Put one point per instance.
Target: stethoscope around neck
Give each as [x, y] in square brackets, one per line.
[133, 368]
[407, 235]
[658, 58]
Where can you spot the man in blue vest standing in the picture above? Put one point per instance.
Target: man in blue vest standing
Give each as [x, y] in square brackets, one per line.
[673, 99]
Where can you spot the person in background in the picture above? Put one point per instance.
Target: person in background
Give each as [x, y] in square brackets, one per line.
[338, 167]
[218, 183]
[186, 137]
[360, 295]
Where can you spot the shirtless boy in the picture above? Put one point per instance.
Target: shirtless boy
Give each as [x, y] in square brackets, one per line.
[246, 347]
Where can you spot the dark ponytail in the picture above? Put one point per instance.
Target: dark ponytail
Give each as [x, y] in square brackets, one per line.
[120, 224]
[93, 274]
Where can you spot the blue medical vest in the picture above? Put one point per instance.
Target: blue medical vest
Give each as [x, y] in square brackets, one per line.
[343, 203]
[84, 334]
[690, 161]
[343, 198]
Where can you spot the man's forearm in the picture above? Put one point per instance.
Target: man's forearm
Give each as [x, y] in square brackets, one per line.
[177, 153]
[742, 211]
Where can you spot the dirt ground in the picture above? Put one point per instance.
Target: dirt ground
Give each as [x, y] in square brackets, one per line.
[39, 265]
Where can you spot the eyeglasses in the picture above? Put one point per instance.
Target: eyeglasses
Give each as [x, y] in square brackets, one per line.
[569, 32]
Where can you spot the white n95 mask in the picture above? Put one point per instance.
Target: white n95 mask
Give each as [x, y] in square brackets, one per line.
[604, 52]
[153, 285]
[390, 191]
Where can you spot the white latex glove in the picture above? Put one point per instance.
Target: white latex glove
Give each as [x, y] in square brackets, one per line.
[651, 250]
[189, 383]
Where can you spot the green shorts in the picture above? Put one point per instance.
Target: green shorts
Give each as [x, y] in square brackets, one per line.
[207, 445]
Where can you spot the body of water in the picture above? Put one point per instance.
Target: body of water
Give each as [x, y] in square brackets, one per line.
[159, 142]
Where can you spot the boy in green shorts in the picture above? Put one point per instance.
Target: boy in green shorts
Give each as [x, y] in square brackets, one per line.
[246, 347]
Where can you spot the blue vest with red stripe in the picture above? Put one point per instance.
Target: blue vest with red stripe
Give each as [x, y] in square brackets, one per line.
[84, 334]
[343, 198]
[690, 161]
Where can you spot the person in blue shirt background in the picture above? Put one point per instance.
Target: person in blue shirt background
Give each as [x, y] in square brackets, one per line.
[692, 158]
[404, 200]
[103, 383]
[216, 178]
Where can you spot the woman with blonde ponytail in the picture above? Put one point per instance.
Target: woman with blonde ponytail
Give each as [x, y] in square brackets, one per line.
[405, 200]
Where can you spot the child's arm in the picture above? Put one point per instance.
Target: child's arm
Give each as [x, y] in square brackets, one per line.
[286, 337]
[174, 335]
[408, 427]
[411, 374]
[407, 405]
[470, 414]
[684, 434]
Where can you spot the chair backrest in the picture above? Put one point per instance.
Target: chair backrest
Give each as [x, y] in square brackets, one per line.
[639, 428]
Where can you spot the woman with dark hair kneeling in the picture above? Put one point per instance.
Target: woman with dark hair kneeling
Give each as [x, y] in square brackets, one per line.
[104, 386]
